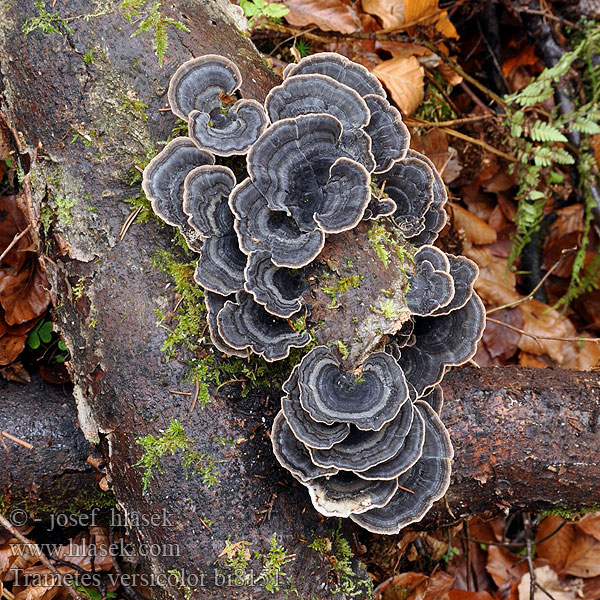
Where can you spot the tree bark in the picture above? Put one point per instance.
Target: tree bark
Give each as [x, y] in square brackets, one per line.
[53, 475]
[86, 120]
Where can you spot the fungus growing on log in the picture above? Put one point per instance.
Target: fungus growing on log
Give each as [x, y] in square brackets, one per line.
[302, 250]
[201, 91]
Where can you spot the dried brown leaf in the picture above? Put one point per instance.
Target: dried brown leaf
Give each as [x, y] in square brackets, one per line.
[476, 230]
[24, 293]
[396, 14]
[547, 578]
[403, 78]
[328, 15]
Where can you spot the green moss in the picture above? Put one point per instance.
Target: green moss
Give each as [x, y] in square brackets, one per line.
[565, 512]
[340, 286]
[171, 440]
[272, 565]
[337, 551]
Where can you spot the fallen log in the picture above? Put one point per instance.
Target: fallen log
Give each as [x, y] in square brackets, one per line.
[93, 115]
[43, 453]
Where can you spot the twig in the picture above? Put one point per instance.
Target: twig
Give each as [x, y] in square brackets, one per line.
[15, 240]
[13, 438]
[195, 397]
[544, 337]
[39, 554]
[450, 123]
[527, 527]
[129, 221]
[466, 76]
[536, 288]
[484, 145]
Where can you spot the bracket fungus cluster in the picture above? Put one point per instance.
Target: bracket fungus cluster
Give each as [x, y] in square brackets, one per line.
[330, 224]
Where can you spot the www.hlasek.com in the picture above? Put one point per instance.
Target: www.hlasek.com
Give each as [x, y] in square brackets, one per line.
[175, 578]
[84, 548]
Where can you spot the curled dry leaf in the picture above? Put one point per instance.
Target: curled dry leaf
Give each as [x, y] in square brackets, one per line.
[403, 78]
[327, 15]
[397, 14]
[547, 578]
[476, 230]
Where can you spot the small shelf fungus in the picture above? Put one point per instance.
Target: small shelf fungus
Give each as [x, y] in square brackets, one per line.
[325, 236]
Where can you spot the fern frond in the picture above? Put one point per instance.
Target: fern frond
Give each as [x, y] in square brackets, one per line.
[542, 131]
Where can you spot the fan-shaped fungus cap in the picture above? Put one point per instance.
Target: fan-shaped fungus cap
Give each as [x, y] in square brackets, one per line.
[221, 265]
[435, 398]
[389, 134]
[345, 494]
[429, 289]
[409, 183]
[205, 200]
[317, 94]
[246, 324]
[408, 454]
[231, 133]
[195, 94]
[214, 303]
[260, 228]
[297, 166]
[292, 454]
[438, 258]
[278, 289]
[464, 272]
[435, 217]
[309, 432]
[164, 177]
[449, 340]
[197, 84]
[379, 207]
[362, 450]
[330, 395]
[420, 486]
[341, 69]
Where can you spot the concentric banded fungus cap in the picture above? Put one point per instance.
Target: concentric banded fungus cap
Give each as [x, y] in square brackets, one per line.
[195, 94]
[345, 494]
[214, 303]
[438, 258]
[409, 183]
[362, 450]
[317, 94]
[291, 453]
[408, 454]
[197, 83]
[261, 229]
[435, 398]
[389, 134]
[464, 272]
[341, 69]
[246, 324]
[297, 166]
[429, 289]
[449, 340]
[330, 395]
[221, 265]
[205, 200]
[278, 289]
[309, 432]
[164, 177]
[435, 217]
[420, 486]
[229, 134]
[379, 207]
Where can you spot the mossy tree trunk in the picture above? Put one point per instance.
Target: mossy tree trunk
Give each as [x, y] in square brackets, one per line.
[88, 102]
